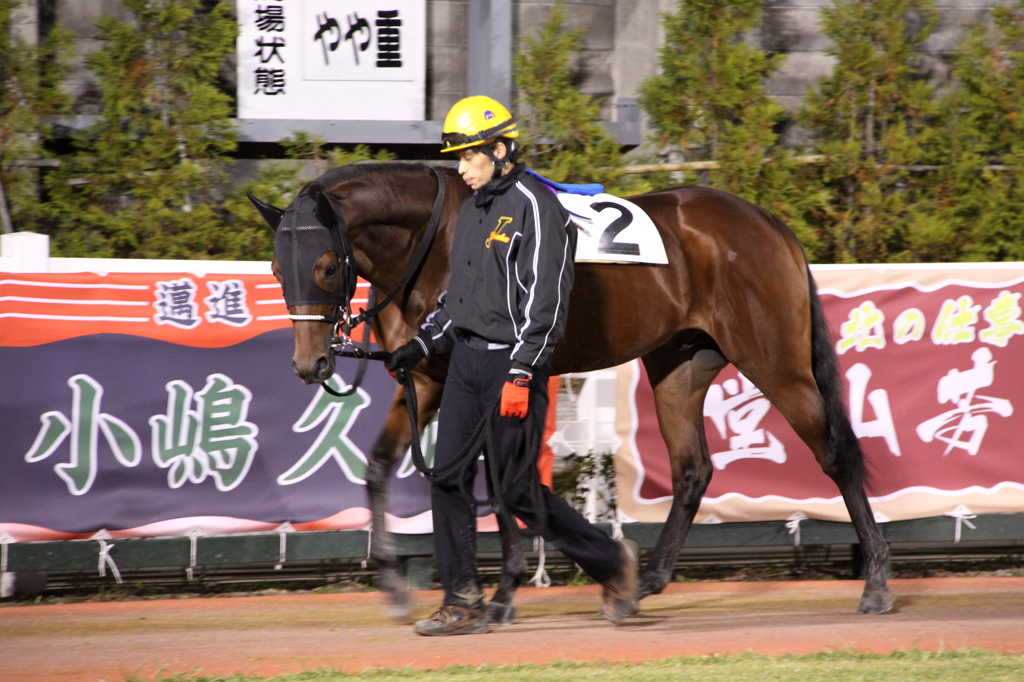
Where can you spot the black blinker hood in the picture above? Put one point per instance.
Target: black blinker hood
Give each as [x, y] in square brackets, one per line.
[309, 228]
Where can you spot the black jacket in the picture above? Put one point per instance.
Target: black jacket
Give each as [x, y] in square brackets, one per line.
[511, 272]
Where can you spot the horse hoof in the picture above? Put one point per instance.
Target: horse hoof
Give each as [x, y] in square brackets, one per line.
[500, 614]
[646, 587]
[876, 600]
[399, 606]
[400, 612]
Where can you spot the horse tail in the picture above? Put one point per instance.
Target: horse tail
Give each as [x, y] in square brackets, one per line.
[841, 445]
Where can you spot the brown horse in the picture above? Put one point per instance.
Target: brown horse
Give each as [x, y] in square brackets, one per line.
[737, 290]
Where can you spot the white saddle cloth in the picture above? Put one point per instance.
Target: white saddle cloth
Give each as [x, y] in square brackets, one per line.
[613, 230]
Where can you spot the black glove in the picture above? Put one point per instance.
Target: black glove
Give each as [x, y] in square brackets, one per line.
[406, 357]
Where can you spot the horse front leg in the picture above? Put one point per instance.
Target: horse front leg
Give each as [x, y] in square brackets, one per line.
[680, 380]
[513, 569]
[390, 446]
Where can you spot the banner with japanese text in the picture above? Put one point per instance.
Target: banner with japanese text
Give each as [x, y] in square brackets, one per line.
[162, 404]
[332, 60]
[932, 358]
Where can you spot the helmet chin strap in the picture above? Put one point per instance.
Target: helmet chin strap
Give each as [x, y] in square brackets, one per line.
[499, 164]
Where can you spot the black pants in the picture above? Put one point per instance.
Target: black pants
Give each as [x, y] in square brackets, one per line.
[474, 383]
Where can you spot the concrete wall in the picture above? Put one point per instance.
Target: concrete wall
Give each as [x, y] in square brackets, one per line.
[25, 22]
[619, 47]
[81, 16]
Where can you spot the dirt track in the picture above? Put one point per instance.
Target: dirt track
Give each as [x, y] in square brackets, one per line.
[289, 633]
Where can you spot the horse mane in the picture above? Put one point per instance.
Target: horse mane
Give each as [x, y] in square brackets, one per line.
[355, 170]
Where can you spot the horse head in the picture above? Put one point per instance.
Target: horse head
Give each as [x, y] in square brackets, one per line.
[314, 263]
[318, 251]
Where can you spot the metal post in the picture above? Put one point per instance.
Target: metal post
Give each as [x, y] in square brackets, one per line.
[490, 50]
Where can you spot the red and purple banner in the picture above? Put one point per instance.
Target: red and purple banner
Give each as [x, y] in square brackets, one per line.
[932, 361]
[162, 404]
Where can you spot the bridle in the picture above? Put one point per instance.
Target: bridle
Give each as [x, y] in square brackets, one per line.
[342, 318]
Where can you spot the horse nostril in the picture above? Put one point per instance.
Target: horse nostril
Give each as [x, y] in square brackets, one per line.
[323, 368]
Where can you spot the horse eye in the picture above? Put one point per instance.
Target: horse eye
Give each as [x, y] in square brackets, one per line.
[331, 270]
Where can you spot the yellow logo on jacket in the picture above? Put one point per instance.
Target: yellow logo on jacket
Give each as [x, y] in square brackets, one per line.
[496, 233]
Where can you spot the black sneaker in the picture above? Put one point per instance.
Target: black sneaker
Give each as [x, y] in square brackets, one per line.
[453, 620]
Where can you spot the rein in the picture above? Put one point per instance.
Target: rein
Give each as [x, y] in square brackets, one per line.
[343, 313]
[481, 442]
[421, 253]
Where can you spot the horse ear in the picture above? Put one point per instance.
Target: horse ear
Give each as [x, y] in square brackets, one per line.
[270, 213]
[324, 208]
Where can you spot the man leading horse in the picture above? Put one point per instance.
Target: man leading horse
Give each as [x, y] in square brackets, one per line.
[503, 312]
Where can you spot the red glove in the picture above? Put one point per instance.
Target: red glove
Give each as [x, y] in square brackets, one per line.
[515, 395]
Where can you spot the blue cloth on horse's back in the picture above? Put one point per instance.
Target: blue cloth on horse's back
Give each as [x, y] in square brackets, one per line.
[586, 190]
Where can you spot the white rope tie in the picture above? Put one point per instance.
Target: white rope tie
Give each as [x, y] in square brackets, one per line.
[541, 577]
[962, 515]
[193, 537]
[107, 560]
[568, 391]
[617, 526]
[5, 539]
[793, 524]
[369, 545]
[282, 532]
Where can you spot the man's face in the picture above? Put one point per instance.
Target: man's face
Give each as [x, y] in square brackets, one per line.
[476, 168]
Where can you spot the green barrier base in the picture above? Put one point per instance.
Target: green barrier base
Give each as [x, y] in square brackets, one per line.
[84, 555]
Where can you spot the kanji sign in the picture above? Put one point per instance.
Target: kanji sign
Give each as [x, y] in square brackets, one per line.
[332, 59]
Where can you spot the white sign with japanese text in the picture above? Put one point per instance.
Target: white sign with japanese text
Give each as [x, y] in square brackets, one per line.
[332, 59]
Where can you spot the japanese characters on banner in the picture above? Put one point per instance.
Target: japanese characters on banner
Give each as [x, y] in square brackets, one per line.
[332, 59]
[161, 404]
[155, 404]
[932, 358]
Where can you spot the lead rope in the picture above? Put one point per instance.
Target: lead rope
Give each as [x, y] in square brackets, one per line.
[482, 440]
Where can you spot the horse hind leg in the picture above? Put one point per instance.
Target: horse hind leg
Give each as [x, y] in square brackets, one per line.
[680, 378]
[513, 569]
[809, 396]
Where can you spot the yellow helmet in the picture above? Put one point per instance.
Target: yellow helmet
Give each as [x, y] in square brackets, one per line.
[475, 120]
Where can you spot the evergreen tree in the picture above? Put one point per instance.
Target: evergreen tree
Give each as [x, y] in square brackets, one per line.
[978, 208]
[871, 118]
[146, 181]
[30, 79]
[560, 133]
[279, 182]
[709, 103]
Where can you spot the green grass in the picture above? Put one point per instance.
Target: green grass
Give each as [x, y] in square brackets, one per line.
[914, 666]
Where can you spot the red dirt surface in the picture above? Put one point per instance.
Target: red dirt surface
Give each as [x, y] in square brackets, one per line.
[270, 635]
